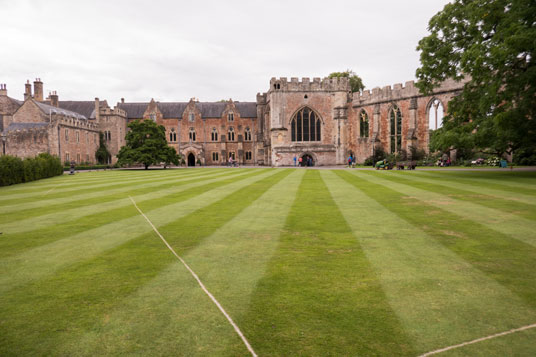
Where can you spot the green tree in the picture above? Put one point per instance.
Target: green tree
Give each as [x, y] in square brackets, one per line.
[102, 155]
[490, 44]
[146, 144]
[356, 83]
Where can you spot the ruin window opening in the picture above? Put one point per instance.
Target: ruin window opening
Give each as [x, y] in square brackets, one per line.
[396, 129]
[305, 126]
[363, 124]
[435, 114]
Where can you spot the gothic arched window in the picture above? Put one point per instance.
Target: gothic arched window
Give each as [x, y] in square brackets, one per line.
[305, 126]
[230, 134]
[395, 133]
[363, 124]
[214, 135]
[435, 114]
[172, 135]
[247, 134]
[191, 134]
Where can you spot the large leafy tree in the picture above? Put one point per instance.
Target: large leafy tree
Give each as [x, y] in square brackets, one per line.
[146, 144]
[490, 45]
[356, 83]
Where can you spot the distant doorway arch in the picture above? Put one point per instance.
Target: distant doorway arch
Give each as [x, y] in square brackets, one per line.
[307, 160]
[191, 159]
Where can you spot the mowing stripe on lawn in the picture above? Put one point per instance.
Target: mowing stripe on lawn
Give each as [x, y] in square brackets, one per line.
[478, 340]
[94, 281]
[76, 188]
[15, 243]
[82, 190]
[519, 209]
[235, 327]
[437, 294]
[506, 223]
[527, 185]
[229, 261]
[320, 295]
[37, 208]
[46, 259]
[479, 189]
[64, 216]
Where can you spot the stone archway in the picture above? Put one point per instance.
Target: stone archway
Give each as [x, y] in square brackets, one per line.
[191, 159]
[307, 159]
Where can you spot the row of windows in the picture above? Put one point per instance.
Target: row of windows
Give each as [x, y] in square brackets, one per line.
[78, 157]
[216, 155]
[77, 136]
[230, 117]
[213, 135]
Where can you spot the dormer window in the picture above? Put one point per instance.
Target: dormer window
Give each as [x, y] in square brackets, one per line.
[230, 117]
[191, 117]
[153, 117]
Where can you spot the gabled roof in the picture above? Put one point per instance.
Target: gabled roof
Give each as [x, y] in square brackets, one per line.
[84, 107]
[9, 105]
[54, 110]
[247, 109]
[176, 109]
[134, 110]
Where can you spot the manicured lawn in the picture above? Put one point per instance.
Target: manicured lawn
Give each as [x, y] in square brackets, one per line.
[306, 262]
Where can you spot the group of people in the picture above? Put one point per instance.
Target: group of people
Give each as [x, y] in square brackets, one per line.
[351, 160]
[303, 160]
[443, 162]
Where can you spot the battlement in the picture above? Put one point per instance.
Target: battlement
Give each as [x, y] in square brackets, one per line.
[306, 85]
[261, 98]
[73, 122]
[399, 91]
[115, 111]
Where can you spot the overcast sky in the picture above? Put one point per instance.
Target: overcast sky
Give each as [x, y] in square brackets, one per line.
[212, 50]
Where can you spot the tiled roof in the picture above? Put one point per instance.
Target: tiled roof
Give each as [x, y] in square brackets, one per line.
[84, 107]
[134, 110]
[176, 109]
[54, 110]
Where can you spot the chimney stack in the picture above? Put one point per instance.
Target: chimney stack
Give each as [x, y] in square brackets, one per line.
[54, 99]
[27, 90]
[3, 90]
[97, 109]
[122, 100]
[38, 90]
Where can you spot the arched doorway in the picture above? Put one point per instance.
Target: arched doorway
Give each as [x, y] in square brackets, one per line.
[307, 160]
[191, 159]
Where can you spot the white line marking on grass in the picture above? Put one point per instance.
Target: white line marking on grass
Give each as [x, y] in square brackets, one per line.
[250, 349]
[479, 340]
[52, 189]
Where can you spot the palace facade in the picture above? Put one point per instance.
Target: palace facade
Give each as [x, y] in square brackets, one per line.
[320, 118]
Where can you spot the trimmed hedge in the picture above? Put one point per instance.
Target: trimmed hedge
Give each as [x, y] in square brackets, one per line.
[15, 170]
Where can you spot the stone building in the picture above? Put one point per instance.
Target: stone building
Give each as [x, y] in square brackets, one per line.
[320, 120]
[69, 130]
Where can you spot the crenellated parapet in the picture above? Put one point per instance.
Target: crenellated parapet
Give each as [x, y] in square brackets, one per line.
[306, 85]
[400, 92]
[74, 122]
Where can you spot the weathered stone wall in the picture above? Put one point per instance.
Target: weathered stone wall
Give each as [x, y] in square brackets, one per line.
[328, 98]
[73, 139]
[414, 108]
[113, 121]
[27, 143]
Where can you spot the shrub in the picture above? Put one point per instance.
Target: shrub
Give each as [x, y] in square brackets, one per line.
[14, 170]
